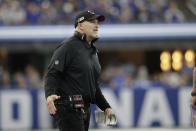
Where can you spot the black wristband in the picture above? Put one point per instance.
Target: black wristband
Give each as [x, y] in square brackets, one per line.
[193, 93]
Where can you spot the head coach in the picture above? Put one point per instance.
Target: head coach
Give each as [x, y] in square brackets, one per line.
[72, 80]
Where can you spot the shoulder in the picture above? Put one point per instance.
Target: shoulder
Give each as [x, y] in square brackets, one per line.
[72, 42]
[64, 45]
[71, 45]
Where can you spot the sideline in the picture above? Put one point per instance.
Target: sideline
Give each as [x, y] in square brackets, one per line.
[121, 129]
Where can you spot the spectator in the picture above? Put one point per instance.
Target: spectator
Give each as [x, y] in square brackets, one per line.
[185, 79]
[128, 81]
[173, 14]
[11, 13]
[49, 13]
[19, 80]
[69, 8]
[126, 14]
[5, 80]
[173, 79]
[32, 77]
[156, 9]
[33, 13]
[60, 14]
[143, 14]
[142, 77]
[105, 78]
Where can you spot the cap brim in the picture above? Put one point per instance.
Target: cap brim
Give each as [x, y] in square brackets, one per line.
[100, 18]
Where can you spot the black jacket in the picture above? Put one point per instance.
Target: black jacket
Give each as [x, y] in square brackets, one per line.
[74, 69]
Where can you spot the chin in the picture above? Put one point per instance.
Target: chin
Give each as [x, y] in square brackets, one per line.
[96, 36]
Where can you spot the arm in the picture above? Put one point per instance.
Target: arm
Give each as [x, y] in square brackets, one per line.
[103, 104]
[59, 61]
[52, 81]
[194, 87]
[51, 84]
[100, 99]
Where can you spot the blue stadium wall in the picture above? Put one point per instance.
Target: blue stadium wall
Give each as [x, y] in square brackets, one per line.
[140, 107]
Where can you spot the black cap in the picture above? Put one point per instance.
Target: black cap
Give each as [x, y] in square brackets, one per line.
[87, 15]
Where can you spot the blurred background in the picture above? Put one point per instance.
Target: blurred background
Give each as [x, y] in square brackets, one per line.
[146, 50]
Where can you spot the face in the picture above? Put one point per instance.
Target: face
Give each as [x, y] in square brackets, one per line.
[90, 28]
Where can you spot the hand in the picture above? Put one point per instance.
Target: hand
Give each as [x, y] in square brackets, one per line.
[109, 112]
[50, 103]
[194, 100]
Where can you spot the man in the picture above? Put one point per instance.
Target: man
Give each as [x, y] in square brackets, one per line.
[71, 83]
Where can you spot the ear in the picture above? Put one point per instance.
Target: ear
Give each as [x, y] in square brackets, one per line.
[80, 25]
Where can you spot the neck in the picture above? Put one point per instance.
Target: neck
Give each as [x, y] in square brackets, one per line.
[88, 39]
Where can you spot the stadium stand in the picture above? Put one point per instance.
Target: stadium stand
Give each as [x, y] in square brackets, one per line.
[44, 12]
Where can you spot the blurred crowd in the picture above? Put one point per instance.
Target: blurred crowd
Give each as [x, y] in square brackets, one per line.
[29, 78]
[39, 12]
[127, 75]
[115, 76]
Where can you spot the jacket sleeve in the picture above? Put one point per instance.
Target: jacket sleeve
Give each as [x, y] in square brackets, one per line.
[59, 62]
[101, 102]
[52, 82]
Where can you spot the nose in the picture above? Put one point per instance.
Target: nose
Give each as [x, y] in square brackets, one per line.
[96, 25]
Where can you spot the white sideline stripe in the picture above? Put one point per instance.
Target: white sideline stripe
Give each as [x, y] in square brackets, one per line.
[116, 129]
[146, 129]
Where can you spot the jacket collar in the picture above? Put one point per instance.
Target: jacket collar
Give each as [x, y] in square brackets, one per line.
[83, 38]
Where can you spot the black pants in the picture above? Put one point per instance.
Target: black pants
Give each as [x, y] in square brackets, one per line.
[69, 119]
